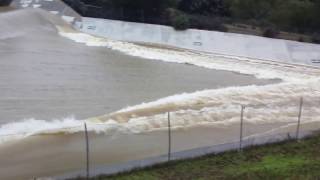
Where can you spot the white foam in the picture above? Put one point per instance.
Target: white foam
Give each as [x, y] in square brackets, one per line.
[298, 80]
[258, 68]
[30, 127]
[273, 104]
[69, 19]
[209, 107]
[54, 12]
[36, 5]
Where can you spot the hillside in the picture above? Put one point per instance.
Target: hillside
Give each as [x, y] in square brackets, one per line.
[293, 19]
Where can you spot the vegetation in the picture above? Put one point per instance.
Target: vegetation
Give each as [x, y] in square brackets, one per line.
[316, 38]
[270, 17]
[271, 33]
[178, 19]
[288, 160]
[5, 2]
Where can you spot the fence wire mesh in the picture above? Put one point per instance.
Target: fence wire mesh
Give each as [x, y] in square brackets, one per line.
[109, 148]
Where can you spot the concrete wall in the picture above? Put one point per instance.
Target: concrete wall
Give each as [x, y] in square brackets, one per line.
[207, 41]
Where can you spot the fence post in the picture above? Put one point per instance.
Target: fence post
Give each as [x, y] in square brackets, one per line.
[241, 126]
[87, 150]
[299, 119]
[169, 137]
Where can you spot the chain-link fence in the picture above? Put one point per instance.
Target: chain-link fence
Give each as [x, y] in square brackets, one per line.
[93, 148]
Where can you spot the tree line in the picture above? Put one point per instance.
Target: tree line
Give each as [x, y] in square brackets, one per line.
[5, 2]
[299, 16]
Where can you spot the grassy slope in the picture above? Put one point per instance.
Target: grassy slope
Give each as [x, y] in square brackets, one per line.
[289, 160]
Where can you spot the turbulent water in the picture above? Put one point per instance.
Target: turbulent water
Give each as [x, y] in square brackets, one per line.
[45, 76]
[50, 71]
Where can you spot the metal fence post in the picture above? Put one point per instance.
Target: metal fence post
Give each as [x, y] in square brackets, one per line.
[169, 137]
[87, 151]
[241, 127]
[299, 119]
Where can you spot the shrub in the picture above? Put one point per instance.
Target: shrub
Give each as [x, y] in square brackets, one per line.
[270, 33]
[5, 2]
[316, 38]
[207, 23]
[301, 39]
[177, 19]
[181, 22]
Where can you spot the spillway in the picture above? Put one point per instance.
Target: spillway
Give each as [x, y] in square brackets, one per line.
[53, 79]
[45, 76]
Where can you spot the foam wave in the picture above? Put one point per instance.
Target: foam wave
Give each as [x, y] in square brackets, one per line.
[271, 103]
[276, 96]
[217, 108]
[258, 68]
[30, 127]
[298, 81]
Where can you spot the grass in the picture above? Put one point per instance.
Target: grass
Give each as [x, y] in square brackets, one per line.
[286, 160]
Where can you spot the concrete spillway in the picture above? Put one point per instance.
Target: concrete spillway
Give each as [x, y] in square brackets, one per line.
[45, 76]
[48, 71]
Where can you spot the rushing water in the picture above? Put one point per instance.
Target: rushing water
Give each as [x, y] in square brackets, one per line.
[45, 76]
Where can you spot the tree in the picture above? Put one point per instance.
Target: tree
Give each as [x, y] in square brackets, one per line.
[252, 9]
[290, 15]
[316, 15]
[5, 2]
[204, 7]
[294, 15]
[181, 22]
[147, 5]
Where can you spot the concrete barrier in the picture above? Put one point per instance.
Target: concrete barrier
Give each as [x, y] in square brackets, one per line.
[199, 40]
[206, 41]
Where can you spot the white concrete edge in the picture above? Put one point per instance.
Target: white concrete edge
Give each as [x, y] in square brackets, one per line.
[233, 44]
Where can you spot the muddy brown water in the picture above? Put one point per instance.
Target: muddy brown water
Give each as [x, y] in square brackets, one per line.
[45, 76]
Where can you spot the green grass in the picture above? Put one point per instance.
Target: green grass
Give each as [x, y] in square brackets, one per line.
[287, 160]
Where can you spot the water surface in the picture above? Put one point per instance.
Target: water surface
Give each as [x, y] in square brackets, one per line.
[45, 76]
